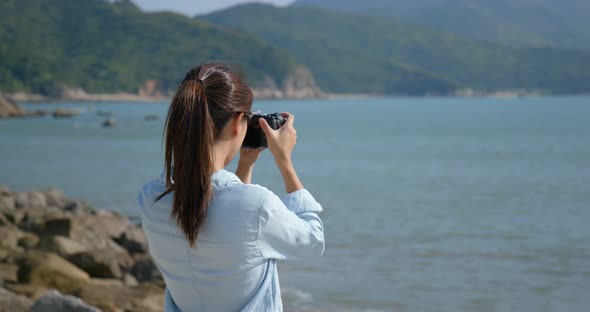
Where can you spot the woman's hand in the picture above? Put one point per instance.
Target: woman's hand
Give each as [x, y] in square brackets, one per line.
[249, 156]
[282, 141]
[246, 163]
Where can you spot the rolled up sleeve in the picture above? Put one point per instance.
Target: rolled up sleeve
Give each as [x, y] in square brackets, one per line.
[290, 227]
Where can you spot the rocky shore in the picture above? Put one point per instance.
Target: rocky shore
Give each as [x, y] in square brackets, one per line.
[299, 85]
[60, 254]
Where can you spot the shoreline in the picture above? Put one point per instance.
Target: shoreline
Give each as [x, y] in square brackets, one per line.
[20, 97]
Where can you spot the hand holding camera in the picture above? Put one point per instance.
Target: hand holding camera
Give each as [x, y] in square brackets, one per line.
[276, 132]
[280, 141]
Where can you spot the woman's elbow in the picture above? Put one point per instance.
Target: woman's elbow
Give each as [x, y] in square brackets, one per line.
[319, 246]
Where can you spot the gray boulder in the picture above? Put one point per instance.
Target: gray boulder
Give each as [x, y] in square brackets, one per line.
[54, 301]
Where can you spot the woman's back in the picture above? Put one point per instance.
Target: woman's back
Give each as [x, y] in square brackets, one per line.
[233, 266]
[214, 236]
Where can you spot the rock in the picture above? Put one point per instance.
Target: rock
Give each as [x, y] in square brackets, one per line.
[49, 270]
[130, 280]
[151, 88]
[111, 122]
[54, 226]
[134, 240]
[78, 207]
[34, 219]
[104, 223]
[31, 199]
[301, 84]
[28, 240]
[55, 197]
[61, 245]
[4, 221]
[13, 239]
[61, 91]
[145, 269]
[109, 296]
[106, 262]
[103, 257]
[8, 272]
[11, 302]
[28, 290]
[16, 216]
[7, 204]
[10, 237]
[4, 190]
[105, 282]
[26, 97]
[54, 301]
[8, 108]
[65, 113]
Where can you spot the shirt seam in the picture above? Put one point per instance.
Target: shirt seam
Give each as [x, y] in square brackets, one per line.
[262, 203]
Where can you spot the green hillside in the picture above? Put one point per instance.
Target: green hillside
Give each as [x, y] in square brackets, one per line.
[359, 53]
[110, 47]
[561, 23]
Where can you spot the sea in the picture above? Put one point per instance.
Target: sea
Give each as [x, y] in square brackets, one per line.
[430, 204]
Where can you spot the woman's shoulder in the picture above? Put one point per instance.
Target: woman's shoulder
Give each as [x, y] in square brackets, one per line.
[250, 192]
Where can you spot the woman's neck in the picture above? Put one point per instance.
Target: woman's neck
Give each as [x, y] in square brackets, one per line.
[221, 152]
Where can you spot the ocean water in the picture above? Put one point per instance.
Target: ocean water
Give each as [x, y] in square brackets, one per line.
[431, 204]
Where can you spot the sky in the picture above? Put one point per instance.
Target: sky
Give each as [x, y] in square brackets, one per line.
[193, 7]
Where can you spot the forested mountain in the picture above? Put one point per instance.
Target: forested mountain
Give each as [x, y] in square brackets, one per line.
[562, 23]
[359, 53]
[114, 46]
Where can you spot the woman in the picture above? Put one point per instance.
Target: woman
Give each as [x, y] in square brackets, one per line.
[214, 236]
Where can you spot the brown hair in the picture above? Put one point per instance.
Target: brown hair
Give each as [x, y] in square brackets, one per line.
[205, 101]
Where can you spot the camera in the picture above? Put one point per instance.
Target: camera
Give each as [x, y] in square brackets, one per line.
[255, 137]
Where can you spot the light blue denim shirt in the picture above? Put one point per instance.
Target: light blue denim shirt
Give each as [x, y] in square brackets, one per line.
[233, 266]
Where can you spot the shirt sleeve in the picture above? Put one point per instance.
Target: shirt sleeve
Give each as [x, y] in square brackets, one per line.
[290, 228]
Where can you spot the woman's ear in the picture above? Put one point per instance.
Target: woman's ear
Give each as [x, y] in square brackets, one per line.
[237, 124]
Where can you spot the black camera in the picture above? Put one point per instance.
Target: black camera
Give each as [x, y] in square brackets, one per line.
[255, 137]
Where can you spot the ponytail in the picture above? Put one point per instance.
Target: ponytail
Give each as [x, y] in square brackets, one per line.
[205, 101]
[189, 144]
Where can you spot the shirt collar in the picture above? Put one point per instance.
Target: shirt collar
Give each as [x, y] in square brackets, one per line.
[219, 178]
[222, 177]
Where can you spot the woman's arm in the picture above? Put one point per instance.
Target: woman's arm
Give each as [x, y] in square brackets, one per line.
[246, 164]
[290, 228]
[281, 143]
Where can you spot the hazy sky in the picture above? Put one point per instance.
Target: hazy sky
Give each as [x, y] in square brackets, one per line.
[192, 7]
